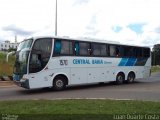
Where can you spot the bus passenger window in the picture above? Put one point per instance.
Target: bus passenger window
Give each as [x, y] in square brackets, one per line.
[127, 52]
[84, 49]
[77, 48]
[112, 50]
[99, 49]
[66, 47]
[57, 47]
[96, 49]
[138, 52]
[40, 55]
[116, 51]
[146, 52]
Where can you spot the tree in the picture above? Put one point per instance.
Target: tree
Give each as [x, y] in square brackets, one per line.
[11, 49]
[156, 55]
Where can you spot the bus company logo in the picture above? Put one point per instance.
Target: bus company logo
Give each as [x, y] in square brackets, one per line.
[9, 117]
[63, 62]
[93, 61]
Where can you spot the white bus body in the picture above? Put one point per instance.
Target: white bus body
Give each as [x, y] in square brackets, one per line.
[61, 70]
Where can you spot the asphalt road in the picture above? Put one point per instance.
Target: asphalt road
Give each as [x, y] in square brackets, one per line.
[145, 89]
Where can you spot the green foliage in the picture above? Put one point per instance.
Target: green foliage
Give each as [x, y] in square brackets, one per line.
[78, 109]
[12, 49]
[156, 55]
[155, 69]
[6, 68]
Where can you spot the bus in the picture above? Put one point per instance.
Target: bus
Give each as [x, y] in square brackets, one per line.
[58, 62]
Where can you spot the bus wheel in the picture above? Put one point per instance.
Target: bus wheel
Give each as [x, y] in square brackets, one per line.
[130, 78]
[59, 83]
[120, 78]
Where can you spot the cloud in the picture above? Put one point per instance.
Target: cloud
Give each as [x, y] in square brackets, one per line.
[91, 27]
[93, 20]
[80, 2]
[1, 37]
[150, 35]
[157, 30]
[92, 32]
[116, 29]
[17, 31]
[127, 21]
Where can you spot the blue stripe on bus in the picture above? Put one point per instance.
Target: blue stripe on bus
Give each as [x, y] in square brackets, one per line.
[127, 62]
[123, 62]
[131, 62]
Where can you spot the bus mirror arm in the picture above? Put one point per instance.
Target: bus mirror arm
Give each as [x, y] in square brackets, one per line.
[10, 53]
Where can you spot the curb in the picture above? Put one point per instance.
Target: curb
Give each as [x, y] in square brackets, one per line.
[6, 78]
[6, 84]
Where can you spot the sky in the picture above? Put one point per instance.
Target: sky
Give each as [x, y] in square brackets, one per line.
[134, 22]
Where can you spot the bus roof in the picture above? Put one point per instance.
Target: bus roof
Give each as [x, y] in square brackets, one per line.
[87, 39]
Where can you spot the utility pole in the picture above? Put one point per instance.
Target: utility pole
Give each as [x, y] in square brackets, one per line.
[56, 20]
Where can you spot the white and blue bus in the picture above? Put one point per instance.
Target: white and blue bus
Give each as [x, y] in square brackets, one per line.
[58, 62]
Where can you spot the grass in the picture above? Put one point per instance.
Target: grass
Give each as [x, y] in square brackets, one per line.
[155, 69]
[6, 68]
[64, 109]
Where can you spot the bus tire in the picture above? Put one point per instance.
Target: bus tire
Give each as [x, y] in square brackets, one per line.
[59, 83]
[131, 77]
[120, 78]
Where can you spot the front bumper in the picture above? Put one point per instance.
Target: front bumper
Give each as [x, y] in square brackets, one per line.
[18, 80]
[24, 84]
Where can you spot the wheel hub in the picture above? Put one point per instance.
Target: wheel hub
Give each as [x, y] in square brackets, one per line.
[59, 83]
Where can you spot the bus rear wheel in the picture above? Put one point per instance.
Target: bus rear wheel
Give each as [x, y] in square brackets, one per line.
[120, 78]
[59, 83]
[131, 78]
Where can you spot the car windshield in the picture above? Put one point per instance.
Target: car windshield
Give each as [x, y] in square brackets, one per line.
[22, 53]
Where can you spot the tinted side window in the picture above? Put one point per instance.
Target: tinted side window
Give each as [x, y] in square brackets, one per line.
[99, 49]
[57, 47]
[146, 52]
[138, 52]
[129, 51]
[115, 51]
[112, 50]
[62, 47]
[84, 48]
[40, 54]
[43, 46]
[76, 48]
[67, 48]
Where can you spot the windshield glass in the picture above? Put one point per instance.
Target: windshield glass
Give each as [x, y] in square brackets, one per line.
[22, 53]
[25, 44]
[20, 66]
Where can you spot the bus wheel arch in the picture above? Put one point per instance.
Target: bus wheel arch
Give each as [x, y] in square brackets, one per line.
[60, 81]
[131, 77]
[120, 78]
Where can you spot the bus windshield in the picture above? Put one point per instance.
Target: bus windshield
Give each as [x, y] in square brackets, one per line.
[22, 53]
[25, 44]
